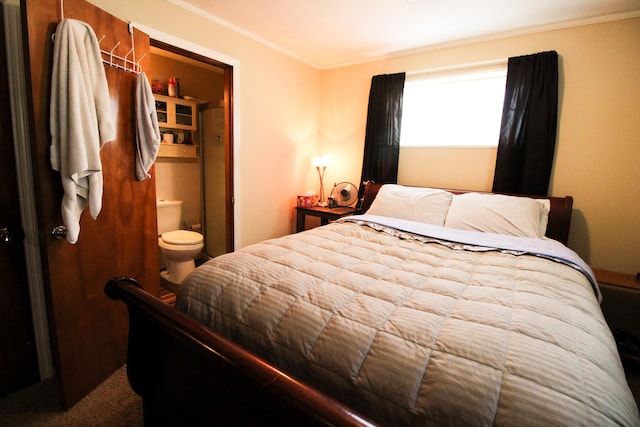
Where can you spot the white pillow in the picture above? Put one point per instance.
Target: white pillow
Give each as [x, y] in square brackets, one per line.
[428, 205]
[497, 213]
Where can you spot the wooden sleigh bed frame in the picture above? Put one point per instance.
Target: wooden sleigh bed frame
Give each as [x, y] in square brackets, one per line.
[188, 375]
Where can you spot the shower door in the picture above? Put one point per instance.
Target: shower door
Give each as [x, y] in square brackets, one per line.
[216, 198]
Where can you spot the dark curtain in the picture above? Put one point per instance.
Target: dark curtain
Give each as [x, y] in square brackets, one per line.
[529, 120]
[382, 136]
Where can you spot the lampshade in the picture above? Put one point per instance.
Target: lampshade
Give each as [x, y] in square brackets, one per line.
[320, 161]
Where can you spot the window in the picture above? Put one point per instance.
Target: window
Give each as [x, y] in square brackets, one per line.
[455, 109]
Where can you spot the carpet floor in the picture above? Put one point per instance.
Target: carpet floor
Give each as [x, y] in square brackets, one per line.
[112, 403]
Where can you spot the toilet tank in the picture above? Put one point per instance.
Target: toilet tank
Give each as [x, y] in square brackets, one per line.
[169, 215]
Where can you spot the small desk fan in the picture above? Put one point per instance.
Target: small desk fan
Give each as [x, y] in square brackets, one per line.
[344, 194]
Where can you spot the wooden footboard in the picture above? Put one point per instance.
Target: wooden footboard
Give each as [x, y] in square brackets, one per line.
[188, 375]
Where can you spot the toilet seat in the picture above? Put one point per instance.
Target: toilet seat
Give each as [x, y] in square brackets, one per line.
[179, 248]
[182, 237]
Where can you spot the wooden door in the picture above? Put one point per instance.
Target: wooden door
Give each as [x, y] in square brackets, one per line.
[18, 359]
[88, 330]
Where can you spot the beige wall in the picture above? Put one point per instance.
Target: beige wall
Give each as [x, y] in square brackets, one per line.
[290, 112]
[277, 119]
[598, 150]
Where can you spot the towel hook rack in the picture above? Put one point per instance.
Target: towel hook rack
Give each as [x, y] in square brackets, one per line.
[139, 66]
[113, 60]
[123, 63]
[127, 60]
[111, 53]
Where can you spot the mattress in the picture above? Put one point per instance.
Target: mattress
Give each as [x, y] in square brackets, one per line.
[418, 325]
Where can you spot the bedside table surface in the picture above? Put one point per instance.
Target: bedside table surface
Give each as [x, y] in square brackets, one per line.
[616, 279]
[324, 213]
[340, 210]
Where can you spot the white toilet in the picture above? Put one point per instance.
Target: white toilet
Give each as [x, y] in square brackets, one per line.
[178, 247]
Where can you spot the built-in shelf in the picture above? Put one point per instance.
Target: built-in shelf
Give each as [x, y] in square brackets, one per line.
[178, 151]
[175, 113]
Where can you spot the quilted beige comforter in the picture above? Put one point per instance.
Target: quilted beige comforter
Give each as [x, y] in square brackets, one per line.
[411, 330]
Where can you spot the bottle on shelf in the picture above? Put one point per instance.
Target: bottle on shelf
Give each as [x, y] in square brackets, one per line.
[172, 87]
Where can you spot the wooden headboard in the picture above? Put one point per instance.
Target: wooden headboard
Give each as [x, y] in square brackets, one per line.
[559, 214]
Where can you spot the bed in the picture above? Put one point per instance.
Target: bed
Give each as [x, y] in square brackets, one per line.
[433, 307]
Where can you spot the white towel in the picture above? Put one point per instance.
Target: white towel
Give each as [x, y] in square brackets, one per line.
[80, 120]
[147, 130]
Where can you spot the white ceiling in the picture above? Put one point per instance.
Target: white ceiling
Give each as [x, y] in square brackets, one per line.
[329, 33]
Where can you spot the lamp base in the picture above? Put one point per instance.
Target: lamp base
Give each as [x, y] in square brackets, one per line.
[322, 202]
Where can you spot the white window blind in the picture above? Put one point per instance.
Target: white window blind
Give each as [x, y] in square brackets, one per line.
[453, 109]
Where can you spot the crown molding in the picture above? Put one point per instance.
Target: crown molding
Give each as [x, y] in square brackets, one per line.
[400, 53]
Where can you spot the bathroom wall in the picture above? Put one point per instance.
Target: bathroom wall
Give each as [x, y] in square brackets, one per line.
[179, 178]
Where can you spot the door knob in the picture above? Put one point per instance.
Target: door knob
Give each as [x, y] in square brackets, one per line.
[10, 235]
[59, 232]
[5, 235]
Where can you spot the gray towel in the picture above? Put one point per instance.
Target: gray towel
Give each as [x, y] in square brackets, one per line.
[80, 120]
[147, 130]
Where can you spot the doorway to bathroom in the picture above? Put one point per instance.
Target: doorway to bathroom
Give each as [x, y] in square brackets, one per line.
[197, 167]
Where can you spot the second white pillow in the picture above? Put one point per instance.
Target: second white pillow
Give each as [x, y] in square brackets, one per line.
[497, 213]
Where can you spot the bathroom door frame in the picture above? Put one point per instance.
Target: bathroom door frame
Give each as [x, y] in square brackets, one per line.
[230, 66]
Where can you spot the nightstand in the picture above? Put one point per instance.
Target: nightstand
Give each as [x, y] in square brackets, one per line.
[325, 215]
[620, 302]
